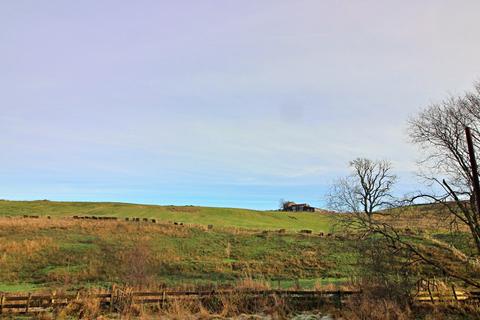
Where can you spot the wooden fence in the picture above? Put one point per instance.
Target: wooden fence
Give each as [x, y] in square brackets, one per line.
[433, 291]
[38, 303]
[454, 295]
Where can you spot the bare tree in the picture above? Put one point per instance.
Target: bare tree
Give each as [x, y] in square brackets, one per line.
[440, 131]
[367, 189]
[283, 204]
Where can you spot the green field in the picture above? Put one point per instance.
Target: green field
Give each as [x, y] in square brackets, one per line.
[225, 217]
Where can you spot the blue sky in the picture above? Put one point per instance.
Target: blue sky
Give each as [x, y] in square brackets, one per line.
[222, 103]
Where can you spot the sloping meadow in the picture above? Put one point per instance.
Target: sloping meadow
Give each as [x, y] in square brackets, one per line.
[72, 253]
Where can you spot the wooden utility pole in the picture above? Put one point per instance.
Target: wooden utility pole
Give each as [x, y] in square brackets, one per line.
[473, 164]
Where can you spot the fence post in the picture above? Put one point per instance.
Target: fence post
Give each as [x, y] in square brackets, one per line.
[454, 293]
[52, 299]
[2, 299]
[112, 296]
[163, 299]
[430, 292]
[28, 302]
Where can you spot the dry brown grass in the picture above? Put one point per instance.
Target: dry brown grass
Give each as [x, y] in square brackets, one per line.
[421, 218]
[335, 286]
[363, 307]
[40, 241]
[226, 305]
[84, 307]
[137, 263]
[107, 227]
[248, 283]
[98, 227]
[21, 252]
[25, 247]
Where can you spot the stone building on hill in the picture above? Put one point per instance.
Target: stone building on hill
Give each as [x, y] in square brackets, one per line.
[298, 207]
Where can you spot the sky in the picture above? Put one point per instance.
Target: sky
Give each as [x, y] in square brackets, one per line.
[219, 103]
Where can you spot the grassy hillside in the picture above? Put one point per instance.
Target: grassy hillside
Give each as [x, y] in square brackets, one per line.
[226, 217]
[68, 253]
